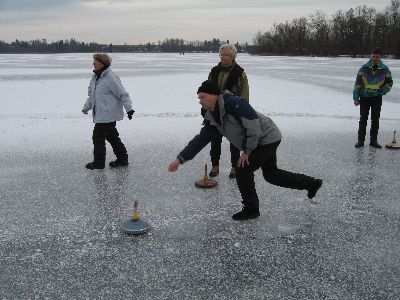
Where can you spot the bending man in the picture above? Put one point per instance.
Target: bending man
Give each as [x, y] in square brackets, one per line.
[255, 135]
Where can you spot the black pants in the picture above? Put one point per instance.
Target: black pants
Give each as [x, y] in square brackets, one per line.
[215, 152]
[103, 132]
[265, 157]
[366, 104]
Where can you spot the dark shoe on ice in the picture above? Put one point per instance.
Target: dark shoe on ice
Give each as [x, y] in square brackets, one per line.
[359, 145]
[93, 165]
[214, 171]
[232, 174]
[118, 163]
[375, 145]
[246, 214]
[312, 191]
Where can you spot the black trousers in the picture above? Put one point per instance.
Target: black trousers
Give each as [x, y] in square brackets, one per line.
[215, 152]
[103, 132]
[375, 104]
[264, 157]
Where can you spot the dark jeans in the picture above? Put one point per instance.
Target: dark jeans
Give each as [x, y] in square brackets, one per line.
[107, 132]
[215, 152]
[264, 157]
[366, 104]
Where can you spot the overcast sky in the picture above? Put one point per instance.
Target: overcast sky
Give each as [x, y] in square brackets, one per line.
[142, 21]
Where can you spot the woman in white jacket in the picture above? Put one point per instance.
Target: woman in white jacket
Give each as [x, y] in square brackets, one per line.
[106, 98]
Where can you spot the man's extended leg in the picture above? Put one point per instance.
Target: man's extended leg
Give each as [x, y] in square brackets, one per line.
[283, 178]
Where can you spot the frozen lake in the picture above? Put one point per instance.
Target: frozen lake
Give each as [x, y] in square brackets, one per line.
[59, 222]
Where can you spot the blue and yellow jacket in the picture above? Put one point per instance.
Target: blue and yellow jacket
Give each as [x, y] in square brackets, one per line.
[372, 81]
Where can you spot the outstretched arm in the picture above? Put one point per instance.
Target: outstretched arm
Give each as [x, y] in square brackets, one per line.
[194, 146]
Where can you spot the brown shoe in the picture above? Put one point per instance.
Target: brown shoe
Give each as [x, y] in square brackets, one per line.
[232, 174]
[214, 171]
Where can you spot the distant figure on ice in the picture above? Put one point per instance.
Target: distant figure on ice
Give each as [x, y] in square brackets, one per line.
[373, 81]
[255, 135]
[227, 75]
[106, 98]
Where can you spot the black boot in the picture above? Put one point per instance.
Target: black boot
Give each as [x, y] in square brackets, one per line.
[94, 165]
[375, 144]
[246, 214]
[312, 191]
[118, 163]
[359, 144]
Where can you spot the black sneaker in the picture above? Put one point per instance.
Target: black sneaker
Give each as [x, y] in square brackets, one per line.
[93, 165]
[246, 214]
[375, 145]
[359, 145]
[312, 191]
[118, 163]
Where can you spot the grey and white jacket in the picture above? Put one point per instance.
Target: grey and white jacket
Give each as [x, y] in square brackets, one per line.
[107, 97]
[235, 119]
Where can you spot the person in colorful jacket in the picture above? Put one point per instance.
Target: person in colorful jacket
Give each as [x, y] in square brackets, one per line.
[106, 98]
[373, 81]
[227, 75]
[255, 135]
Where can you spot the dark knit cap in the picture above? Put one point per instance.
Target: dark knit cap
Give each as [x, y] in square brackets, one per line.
[209, 87]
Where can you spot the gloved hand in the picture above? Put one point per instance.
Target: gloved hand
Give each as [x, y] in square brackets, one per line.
[130, 113]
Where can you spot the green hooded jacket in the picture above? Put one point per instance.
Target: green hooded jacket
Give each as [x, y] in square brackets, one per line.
[372, 81]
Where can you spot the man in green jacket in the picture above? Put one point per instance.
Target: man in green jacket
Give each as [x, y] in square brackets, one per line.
[373, 81]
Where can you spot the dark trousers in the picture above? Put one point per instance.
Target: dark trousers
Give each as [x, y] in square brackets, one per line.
[215, 152]
[103, 132]
[366, 104]
[264, 157]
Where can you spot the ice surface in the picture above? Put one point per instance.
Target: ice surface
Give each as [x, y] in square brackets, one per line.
[59, 222]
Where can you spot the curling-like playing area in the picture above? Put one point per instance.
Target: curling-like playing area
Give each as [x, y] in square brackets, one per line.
[60, 223]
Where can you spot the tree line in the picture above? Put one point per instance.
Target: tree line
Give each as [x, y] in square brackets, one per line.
[72, 45]
[353, 32]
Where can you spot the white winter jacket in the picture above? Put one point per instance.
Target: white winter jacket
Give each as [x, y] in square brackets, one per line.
[107, 97]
